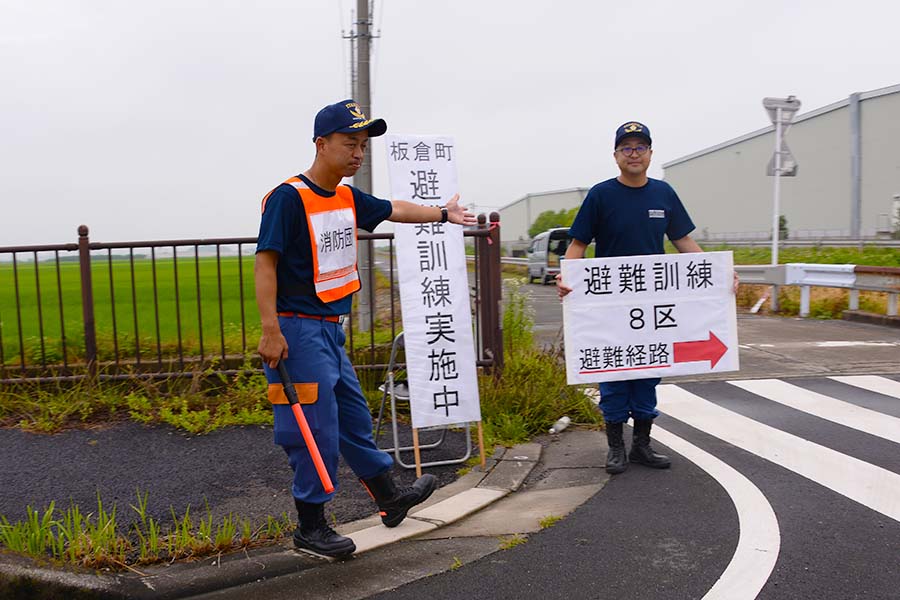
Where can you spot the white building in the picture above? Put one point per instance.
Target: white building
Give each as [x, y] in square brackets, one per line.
[848, 181]
[517, 217]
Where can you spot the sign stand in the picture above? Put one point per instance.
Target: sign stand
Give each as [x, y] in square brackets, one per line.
[415, 434]
[391, 391]
[481, 445]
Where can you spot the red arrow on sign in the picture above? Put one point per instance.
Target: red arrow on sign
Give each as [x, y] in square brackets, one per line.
[712, 350]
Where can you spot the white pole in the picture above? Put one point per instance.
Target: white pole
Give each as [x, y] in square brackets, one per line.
[777, 199]
[776, 203]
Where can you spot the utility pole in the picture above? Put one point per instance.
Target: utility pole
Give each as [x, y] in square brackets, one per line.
[360, 41]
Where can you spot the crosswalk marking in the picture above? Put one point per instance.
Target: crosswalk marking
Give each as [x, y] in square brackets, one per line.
[825, 407]
[873, 383]
[870, 485]
[760, 539]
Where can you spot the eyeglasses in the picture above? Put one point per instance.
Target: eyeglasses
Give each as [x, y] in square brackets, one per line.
[630, 151]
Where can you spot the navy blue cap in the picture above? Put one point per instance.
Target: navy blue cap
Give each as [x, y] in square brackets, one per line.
[632, 129]
[346, 117]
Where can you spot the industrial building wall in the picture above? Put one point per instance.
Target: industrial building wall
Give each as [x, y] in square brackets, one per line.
[514, 221]
[516, 218]
[727, 190]
[880, 152]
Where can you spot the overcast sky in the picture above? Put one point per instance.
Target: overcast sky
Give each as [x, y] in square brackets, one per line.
[171, 119]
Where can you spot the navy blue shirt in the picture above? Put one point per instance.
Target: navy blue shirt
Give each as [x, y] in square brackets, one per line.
[628, 221]
[284, 229]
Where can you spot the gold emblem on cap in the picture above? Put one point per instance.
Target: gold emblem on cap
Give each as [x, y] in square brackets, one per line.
[355, 111]
[633, 128]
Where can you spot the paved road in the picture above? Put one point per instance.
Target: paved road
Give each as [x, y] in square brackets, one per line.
[768, 497]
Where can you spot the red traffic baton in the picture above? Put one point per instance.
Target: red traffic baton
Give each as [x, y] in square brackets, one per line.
[297, 409]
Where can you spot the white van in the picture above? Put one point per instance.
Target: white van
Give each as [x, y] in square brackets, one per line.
[544, 253]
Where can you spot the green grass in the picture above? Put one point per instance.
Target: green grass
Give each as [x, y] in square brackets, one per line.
[96, 540]
[198, 405]
[869, 255]
[512, 541]
[140, 327]
[550, 521]
[132, 301]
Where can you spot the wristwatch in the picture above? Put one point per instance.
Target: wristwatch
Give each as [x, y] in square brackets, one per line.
[444, 214]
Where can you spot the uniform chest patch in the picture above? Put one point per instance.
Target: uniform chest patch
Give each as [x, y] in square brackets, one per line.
[656, 213]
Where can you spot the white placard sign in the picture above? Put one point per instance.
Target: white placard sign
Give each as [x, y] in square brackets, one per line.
[434, 286]
[635, 317]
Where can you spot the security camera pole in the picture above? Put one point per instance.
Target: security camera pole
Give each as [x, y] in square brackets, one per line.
[781, 113]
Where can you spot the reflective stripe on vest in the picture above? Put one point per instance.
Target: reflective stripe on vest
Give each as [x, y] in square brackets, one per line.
[332, 237]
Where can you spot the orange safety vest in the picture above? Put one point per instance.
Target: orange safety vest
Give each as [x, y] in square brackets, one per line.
[332, 237]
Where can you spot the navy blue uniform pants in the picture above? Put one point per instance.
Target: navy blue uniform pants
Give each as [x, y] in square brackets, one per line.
[622, 399]
[339, 417]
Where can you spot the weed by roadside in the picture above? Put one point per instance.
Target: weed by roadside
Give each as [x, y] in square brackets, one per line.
[512, 541]
[200, 404]
[550, 521]
[95, 539]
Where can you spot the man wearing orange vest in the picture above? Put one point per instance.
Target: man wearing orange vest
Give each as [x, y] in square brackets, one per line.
[305, 276]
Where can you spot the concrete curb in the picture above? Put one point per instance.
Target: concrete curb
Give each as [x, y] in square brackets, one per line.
[504, 474]
[860, 316]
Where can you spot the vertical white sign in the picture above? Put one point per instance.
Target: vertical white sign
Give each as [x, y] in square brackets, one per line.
[434, 286]
[635, 317]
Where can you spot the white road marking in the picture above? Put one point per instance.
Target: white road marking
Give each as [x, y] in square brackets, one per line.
[873, 383]
[867, 484]
[825, 407]
[849, 344]
[759, 540]
[824, 344]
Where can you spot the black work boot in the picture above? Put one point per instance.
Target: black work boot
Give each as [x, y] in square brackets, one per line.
[393, 502]
[641, 452]
[315, 535]
[616, 461]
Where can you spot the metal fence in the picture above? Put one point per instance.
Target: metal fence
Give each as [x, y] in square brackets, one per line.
[169, 308]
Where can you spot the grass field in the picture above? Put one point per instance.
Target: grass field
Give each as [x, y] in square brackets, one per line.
[880, 257]
[126, 305]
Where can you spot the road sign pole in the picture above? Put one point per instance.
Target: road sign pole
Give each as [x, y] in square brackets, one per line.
[776, 204]
[777, 194]
[781, 113]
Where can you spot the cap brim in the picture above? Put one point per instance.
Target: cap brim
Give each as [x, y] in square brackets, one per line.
[643, 136]
[375, 127]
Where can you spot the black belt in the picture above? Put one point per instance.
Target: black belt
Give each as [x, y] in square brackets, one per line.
[330, 318]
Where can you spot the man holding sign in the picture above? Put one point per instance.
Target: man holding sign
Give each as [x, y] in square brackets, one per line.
[305, 276]
[628, 216]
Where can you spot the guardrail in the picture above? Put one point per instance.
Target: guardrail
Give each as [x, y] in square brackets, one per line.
[851, 277]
